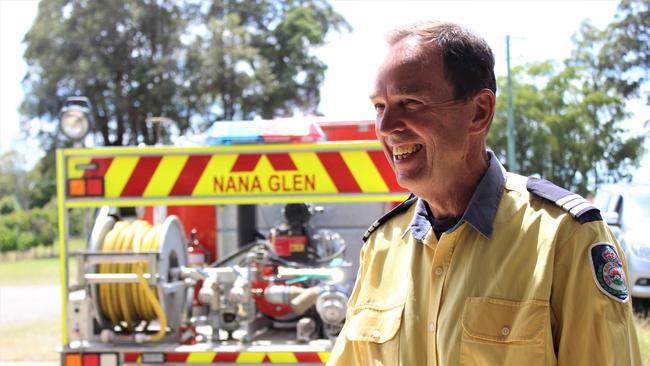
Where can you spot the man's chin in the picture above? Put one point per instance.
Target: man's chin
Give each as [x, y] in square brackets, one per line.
[407, 182]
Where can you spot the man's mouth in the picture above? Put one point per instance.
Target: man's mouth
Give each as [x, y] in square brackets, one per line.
[404, 151]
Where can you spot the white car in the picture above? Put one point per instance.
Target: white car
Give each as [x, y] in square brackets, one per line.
[626, 208]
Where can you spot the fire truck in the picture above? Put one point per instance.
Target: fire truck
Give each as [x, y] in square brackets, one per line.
[241, 251]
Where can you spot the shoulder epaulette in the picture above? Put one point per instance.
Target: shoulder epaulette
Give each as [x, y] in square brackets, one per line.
[399, 208]
[583, 210]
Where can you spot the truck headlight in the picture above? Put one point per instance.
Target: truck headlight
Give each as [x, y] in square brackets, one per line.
[76, 117]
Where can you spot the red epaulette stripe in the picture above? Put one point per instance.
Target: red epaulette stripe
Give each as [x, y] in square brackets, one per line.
[246, 162]
[379, 159]
[339, 172]
[102, 167]
[141, 176]
[190, 175]
[281, 162]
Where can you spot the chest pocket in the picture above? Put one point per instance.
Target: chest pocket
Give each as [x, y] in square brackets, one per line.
[373, 332]
[503, 332]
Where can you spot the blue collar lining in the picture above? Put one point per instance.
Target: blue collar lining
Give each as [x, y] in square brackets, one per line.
[481, 210]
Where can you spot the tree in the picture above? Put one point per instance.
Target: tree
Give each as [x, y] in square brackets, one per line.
[568, 116]
[26, 241]
[8, 238]
[254, 58]
[120, 54]
[193, 62]
[567, 125]
[13, 177]
[44, 222]
[42, 180]
[8, 205]
[624, 48]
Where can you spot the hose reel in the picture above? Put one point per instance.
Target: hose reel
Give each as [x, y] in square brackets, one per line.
[132, 273]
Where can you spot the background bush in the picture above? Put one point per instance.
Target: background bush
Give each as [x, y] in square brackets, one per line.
[8, 239]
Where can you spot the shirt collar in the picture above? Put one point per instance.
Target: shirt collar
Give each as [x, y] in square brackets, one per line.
[481, 210]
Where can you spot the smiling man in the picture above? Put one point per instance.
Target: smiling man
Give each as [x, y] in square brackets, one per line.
[478, 266]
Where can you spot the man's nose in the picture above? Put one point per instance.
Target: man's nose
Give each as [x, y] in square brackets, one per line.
[389, 122]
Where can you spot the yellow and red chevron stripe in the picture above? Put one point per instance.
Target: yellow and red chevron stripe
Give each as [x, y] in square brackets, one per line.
[155, 174]
[230, 357]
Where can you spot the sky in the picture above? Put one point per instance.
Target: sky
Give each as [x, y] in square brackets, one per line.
[539, 30]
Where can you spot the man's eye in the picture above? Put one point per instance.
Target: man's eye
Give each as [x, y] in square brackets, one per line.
[379, 107]
[411, 103]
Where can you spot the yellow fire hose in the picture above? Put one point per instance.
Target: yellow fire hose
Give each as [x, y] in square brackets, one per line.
[129, 304]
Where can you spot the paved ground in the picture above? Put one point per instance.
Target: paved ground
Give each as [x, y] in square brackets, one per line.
[19, 304]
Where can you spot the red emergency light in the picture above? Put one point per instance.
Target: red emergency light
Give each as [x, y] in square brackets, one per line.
[86, 187]
[90, 359]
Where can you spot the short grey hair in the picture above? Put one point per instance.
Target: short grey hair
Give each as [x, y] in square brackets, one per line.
[467, 59]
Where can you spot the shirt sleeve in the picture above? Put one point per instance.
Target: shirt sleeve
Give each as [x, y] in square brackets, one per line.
[590, 327]
[343, 353]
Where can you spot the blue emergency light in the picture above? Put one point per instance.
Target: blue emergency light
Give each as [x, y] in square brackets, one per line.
[284, 130]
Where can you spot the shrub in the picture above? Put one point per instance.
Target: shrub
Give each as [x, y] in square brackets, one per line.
[26, 241]
[8, 239]
[44, 224]
[77, 219]
[8, 205]
[18, 220]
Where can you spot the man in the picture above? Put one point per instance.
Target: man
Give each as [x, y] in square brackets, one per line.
[478, 266]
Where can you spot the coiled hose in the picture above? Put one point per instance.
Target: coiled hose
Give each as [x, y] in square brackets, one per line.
[129, 304]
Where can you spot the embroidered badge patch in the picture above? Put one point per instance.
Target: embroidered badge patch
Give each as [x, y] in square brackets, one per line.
[608, 272]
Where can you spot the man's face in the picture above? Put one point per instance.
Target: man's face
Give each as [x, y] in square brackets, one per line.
[423, 130]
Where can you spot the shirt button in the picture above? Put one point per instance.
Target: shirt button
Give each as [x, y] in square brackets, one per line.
[439, 271]
[432, 327]
[505, 331]
[376, 334]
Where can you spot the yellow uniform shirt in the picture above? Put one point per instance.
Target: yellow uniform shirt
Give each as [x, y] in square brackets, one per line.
[513, 284]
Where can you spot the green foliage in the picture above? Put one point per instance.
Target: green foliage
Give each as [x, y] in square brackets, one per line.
[8, 238]
[189, 61]
[26, 241]
[13, 177]
[77, 219]
[17, 220]
[568, 116]
[22, 229]
[42, 180]
[624, 55]
[121, 54]
[567, 130]
[44, 224]
[8, 204]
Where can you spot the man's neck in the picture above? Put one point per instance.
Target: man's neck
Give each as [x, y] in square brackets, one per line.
[452, 198]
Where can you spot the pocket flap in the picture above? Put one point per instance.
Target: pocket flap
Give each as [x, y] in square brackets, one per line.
[374, 324]
[504, 321]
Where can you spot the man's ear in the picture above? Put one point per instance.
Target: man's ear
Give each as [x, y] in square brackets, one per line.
[484, 104]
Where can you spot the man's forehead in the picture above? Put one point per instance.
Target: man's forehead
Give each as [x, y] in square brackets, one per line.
[407, 69]
[402, 87]
[409, 47]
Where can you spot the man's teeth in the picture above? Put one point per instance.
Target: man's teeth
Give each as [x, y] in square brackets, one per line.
[401, 152]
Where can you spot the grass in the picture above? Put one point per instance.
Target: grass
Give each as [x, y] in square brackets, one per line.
[38, 271]
[34, 269]
[31, 341]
